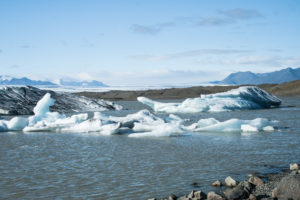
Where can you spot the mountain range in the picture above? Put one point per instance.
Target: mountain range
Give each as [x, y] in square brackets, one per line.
[276, 77]
[8, 80]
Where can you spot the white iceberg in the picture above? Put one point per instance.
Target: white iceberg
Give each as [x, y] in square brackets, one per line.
[169, 126]
[248, 97]
[140, 124]
[232, 125]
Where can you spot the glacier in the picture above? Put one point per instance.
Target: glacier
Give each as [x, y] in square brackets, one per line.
[140, 124]
[247, 97]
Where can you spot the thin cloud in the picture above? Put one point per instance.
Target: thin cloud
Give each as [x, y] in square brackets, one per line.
[25, 46]
[222, 18]
[241, 14]
[152, 29]
[14, 66]
[186, 54]
[146, 30]
[87, 43]
[63, 43]
[215, 21]
[255, 60]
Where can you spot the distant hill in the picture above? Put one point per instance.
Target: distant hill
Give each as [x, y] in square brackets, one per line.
[8, 80]
[276, 77]
[82, 83]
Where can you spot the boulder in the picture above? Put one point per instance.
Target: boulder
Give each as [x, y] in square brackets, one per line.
[191, 195]
[235, 193]
[252, 197]
[246, 186]
[217, 183]
[172, 197]
[294, 172]
[199, 195]
[294, 166]
[214, 196]
[288, 188]
[256, 181]
[183, 198]
[250, 175]
[230, 182]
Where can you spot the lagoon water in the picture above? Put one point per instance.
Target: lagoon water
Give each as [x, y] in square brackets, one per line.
[48, 165]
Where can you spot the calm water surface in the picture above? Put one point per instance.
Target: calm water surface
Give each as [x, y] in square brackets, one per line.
[91, 166]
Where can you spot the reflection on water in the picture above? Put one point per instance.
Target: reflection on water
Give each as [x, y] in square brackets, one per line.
[72, 165]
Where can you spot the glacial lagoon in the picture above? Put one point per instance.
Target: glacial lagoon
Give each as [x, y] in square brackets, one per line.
[60, 165]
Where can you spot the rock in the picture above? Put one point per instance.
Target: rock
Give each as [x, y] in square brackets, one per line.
[191, 195]
[250, 175]
[294, 172]
[230, 182]
[172, 197]
[298, 171]
[288, 188]
[252, 197]
[199, 195]
[294, 166]
[214, 196]
[217, 183]
[275, 193]
[183, 198]
[246, 186]
[256, 181]
[236, 193]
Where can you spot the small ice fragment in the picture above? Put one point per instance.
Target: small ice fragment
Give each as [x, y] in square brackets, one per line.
[248, 128]
[268, 128]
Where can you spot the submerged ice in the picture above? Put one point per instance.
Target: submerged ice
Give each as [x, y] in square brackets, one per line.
[140, 124]
[249, 97]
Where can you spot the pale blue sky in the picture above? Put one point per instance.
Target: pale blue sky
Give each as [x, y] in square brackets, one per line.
[147, 42]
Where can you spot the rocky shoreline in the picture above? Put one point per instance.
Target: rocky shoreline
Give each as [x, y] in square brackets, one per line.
[281, 186]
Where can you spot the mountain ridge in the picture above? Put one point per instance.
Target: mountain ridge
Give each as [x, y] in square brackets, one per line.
[248, 77]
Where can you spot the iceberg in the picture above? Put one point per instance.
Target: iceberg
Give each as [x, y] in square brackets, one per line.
[140, 124]
[233, 125]
[248, 97]
[15, 100]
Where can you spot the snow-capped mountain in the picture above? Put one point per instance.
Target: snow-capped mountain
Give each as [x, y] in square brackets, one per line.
[8, 80]
[81, 83]
[276, 77]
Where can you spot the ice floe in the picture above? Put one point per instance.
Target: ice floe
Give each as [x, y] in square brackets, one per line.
[248, 97]
[232, 125]
[140, 124]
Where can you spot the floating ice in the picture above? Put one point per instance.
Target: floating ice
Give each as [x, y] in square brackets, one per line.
[140, 124]
[15, 124]
[249, 97]
[169, 126]
[232, 125]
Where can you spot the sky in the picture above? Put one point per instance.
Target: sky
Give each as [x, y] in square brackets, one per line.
[147, 42]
